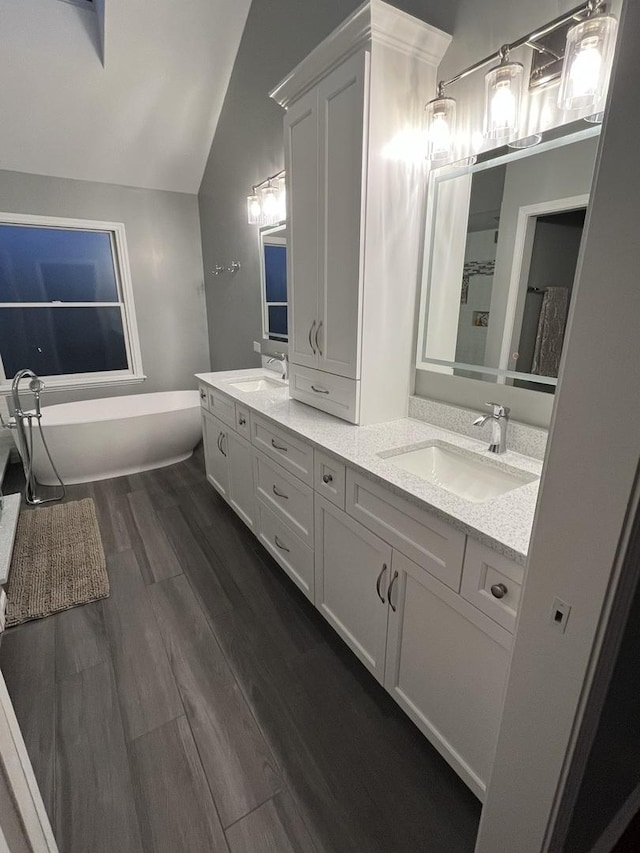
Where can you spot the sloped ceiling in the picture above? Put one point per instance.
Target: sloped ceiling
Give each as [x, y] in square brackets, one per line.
[142, 112]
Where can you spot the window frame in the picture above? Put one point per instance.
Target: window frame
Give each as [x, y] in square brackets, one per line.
[268, 236]
[120, 254]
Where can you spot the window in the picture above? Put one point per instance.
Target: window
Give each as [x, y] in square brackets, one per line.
[66, 304]
[273, 261]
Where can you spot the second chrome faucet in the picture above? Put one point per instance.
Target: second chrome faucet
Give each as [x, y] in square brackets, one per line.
[499, 419]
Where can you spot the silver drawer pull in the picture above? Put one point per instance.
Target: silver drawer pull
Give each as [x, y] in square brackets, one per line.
[280, 494]
[390, 590]
[379, 581]
[318, 347]
[327, 478]
[203, 395]
[279, 446]
[319, 390]
[499, 590]
[242, 420]
[280, 545]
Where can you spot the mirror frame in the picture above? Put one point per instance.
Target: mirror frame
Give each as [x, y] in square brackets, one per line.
[555, 138]
[263, 231]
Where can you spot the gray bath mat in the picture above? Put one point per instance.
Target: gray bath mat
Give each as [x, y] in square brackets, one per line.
[57, 562]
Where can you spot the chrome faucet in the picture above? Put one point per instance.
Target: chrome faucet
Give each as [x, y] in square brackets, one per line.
[499, 419]
[283, 358]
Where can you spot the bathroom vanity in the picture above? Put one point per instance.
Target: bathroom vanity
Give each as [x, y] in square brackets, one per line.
[421, 582]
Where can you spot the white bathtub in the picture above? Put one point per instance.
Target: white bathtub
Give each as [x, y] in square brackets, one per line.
[114, 436]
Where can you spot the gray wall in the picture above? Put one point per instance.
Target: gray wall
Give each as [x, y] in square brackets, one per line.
[248, 146]
[163, 239]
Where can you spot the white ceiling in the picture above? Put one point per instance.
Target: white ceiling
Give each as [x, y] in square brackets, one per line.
[145, 118]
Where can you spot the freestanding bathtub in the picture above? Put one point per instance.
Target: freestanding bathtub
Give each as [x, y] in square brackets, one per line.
[114, 436]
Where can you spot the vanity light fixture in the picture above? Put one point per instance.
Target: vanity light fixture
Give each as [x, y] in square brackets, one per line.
[441, 120]
[266, 204]
[588, 53]
[254, 209]
[587, 61]
[503, 96]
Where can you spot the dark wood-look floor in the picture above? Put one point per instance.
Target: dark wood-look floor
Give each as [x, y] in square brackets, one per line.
[206, 706]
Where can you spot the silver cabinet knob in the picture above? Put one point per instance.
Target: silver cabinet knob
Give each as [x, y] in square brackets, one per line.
[242, 420]
[499, 590]
[203, 395]
[327, 478]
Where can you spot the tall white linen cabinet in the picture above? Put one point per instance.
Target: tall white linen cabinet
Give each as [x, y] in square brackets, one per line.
[356, 175]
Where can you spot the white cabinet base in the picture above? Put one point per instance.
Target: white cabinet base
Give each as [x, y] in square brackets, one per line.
[447, 668]
[351, 565]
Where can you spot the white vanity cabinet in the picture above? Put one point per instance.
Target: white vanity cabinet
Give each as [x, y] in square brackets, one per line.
[324, 151]
[352, 198]
[352, 570]
[241, 491]
[216, 460]
[446, 666]
[428, 610]
[228, 462]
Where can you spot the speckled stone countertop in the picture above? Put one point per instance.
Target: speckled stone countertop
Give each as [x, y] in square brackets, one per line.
[503, 523]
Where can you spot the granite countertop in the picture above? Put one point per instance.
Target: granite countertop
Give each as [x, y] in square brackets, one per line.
[503, 523]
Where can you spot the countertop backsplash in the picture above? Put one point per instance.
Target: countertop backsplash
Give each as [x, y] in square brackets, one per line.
[521, 438]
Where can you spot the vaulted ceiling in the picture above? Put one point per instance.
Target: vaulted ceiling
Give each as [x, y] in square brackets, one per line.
[136, 105]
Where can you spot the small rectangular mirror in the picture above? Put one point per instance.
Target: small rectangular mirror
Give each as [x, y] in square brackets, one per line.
[501, 248]
[273, 282]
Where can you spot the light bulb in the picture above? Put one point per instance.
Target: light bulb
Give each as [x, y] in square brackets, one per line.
[585, 69]
[254, 210]
[270, 205]
[441, 113]
[503, 106]
[503, 94]
[587, 64]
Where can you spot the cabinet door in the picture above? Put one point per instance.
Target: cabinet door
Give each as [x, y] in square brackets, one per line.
[241, 491]
[447, 668]
[216, 461]
[301, 163]
[351, 565]
[343, 113]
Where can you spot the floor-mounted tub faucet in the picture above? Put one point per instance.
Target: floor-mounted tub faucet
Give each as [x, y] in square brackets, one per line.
[499, 419]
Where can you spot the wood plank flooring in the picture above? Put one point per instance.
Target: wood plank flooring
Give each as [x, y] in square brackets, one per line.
[206, 706]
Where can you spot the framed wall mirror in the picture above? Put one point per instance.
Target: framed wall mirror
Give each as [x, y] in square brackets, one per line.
[501, 247]
[273, 282]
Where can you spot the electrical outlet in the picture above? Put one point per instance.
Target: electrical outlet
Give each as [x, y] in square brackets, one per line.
[559, 615]
[257, 346]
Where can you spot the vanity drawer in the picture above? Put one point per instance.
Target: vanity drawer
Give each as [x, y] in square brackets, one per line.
[492, 583]
[222, 407]
[425, 539]
[243, 421]
[329, 479]
[204, 396]
[285, 547]
[333, 394]
[286, 496]
[292, 453]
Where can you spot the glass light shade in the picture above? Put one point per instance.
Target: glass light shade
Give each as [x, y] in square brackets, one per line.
[441, 119]
[587, 63]
[270, 205]
[254, 210]
[503, 97]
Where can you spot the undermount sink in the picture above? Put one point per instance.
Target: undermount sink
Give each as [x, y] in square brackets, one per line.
[258, 384]
[475, 480]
